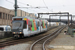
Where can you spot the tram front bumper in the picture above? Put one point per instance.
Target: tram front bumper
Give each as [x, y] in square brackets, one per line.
[16, 36]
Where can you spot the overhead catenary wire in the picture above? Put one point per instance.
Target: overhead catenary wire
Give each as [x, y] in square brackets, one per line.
[9, 1]
[21, 3]
[28, 5]
[31, 6]
[46, 5]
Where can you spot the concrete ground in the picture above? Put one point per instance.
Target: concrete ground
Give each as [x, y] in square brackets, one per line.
[62, 42]
[17, 47]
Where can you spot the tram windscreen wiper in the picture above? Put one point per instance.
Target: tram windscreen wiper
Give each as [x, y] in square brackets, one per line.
[19, 26]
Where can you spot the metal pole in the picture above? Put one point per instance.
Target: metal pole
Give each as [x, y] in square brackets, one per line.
[49, 20]
[71, 20]
[15, 8]
[60, 20]
[68, 19]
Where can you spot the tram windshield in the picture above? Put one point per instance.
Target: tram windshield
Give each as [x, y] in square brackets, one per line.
[17, 24]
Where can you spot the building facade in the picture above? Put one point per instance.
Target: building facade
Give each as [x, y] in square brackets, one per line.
[6, 15]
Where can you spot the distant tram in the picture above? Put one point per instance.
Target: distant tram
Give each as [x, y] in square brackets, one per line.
[5, 28]
[27, 26]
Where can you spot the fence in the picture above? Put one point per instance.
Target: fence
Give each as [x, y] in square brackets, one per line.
[71, 31]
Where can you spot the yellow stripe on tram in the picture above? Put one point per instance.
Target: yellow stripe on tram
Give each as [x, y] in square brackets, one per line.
[25, 18]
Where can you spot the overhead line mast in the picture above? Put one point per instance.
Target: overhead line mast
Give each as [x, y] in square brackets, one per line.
[16, 8]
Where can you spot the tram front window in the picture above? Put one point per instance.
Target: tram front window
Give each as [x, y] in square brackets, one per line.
[17, 24]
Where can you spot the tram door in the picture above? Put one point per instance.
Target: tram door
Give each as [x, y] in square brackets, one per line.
[25, 28]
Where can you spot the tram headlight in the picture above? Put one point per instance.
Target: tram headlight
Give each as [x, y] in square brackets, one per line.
[20, 32]
[13, 32]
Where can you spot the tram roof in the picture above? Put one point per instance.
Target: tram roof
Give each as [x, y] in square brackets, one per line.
[28, 17]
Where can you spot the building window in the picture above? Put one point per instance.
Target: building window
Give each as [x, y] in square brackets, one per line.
[10, 17]
[3, 15]
[13, 16]
[25, 13]
[6, 16]
[0, 15]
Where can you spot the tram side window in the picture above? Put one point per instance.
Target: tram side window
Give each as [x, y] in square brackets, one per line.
[29, 25]
[46, 24]
[25, 24]
[38, 23]
[42, 24]
[1, 29]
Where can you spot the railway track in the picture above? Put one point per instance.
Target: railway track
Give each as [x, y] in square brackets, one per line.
[43, 40]
[12, 41]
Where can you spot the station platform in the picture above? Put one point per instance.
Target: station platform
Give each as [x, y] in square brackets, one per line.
[62, 42]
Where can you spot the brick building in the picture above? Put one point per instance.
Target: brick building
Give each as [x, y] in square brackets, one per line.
[6, 15]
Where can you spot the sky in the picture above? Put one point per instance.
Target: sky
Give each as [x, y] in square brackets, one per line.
[53, 6]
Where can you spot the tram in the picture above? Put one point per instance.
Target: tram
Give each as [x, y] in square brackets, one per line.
[27, 26]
